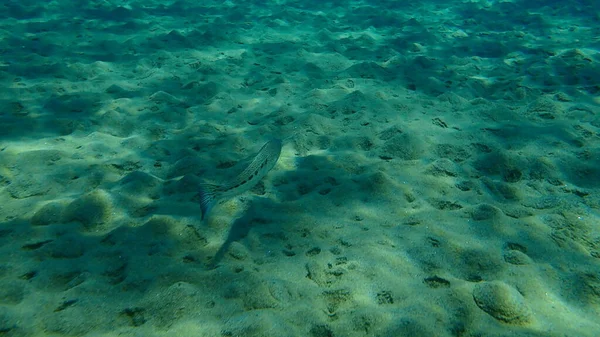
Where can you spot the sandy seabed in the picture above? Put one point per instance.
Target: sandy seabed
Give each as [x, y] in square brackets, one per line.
[440, 173]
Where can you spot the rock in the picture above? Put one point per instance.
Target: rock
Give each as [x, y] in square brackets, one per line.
[502, 302]
[7, 322]
[68, 246]
[317, 273]
[253, 292]
[443, 167]
[403, 146]
[259, 323]
[50, 213]
[11, 292]
[544, 108]
[485, 212]
[28, 186]
[165, 307]
[238, 251]
[516, 257]
[91, 209]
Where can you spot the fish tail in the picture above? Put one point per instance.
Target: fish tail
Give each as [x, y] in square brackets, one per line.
[208, 196]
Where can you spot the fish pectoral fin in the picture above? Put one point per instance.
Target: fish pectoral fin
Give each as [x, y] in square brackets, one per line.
[208, 196]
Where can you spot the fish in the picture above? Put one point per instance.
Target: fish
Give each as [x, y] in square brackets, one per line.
[262, 163]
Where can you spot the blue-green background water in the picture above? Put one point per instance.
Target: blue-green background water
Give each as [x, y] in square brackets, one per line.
[439, 174]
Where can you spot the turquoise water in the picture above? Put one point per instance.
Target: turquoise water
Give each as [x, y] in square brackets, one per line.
[439, 174]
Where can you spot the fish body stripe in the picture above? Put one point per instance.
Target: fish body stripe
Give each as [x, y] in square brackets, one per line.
[262, 163]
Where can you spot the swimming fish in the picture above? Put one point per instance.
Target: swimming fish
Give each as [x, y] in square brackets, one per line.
[264, 161]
